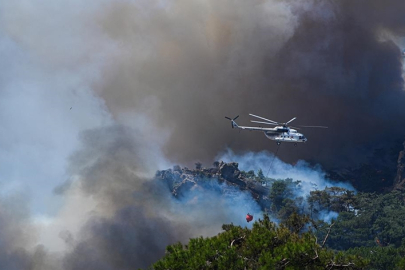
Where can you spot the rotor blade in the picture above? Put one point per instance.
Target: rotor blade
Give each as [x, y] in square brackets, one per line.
[235, 118]
[263, 118]
[291, 120]
[294, 127]
[263, 123]
[313, 126]
[228, 118]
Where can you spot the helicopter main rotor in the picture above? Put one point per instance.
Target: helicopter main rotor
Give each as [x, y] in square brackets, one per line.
[274, 123]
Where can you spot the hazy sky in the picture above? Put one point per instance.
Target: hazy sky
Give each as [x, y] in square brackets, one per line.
[176, 68]
[130, 86]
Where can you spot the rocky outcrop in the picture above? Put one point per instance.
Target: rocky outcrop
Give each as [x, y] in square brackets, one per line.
[230, 172]
[180, 180]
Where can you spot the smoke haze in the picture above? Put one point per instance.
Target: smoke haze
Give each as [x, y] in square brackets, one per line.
[334, 64]
[97, 95]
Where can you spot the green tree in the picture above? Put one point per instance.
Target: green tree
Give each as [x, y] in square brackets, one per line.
[260, 175]
[250, 174]
[371, 217]
[380, 257]
[265, 246]
[330, 199]
[277, 193]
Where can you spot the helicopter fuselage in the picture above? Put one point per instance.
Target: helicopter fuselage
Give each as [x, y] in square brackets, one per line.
[289, 135]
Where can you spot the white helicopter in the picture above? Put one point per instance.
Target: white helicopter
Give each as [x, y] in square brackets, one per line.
[280, 133]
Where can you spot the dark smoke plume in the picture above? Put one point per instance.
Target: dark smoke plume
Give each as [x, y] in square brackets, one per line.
[325, 62]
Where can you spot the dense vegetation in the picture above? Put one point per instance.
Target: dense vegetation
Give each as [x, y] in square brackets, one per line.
[367, 231]
[265, 246]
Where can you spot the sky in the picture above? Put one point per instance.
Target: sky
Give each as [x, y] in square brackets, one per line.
[95, 96]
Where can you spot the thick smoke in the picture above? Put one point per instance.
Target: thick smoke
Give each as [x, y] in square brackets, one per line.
[114, 217]
[45, 96]
[325, 62]
[134, 218]
[146, 84]
[311, 177]
[19, 248]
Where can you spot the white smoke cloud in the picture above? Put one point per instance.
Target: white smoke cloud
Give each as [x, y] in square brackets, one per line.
[49, 63]
[210, 207]
[328, 216]
[311, 177]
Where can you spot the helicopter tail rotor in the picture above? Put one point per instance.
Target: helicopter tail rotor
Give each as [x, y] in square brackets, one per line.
[233, 123]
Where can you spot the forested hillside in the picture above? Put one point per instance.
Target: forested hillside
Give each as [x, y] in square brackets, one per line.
[329, 228]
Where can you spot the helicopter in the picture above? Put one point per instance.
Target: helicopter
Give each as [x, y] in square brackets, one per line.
[280, 133]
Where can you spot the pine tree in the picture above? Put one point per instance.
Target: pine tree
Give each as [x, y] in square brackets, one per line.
[260, 174]
[265, 246]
